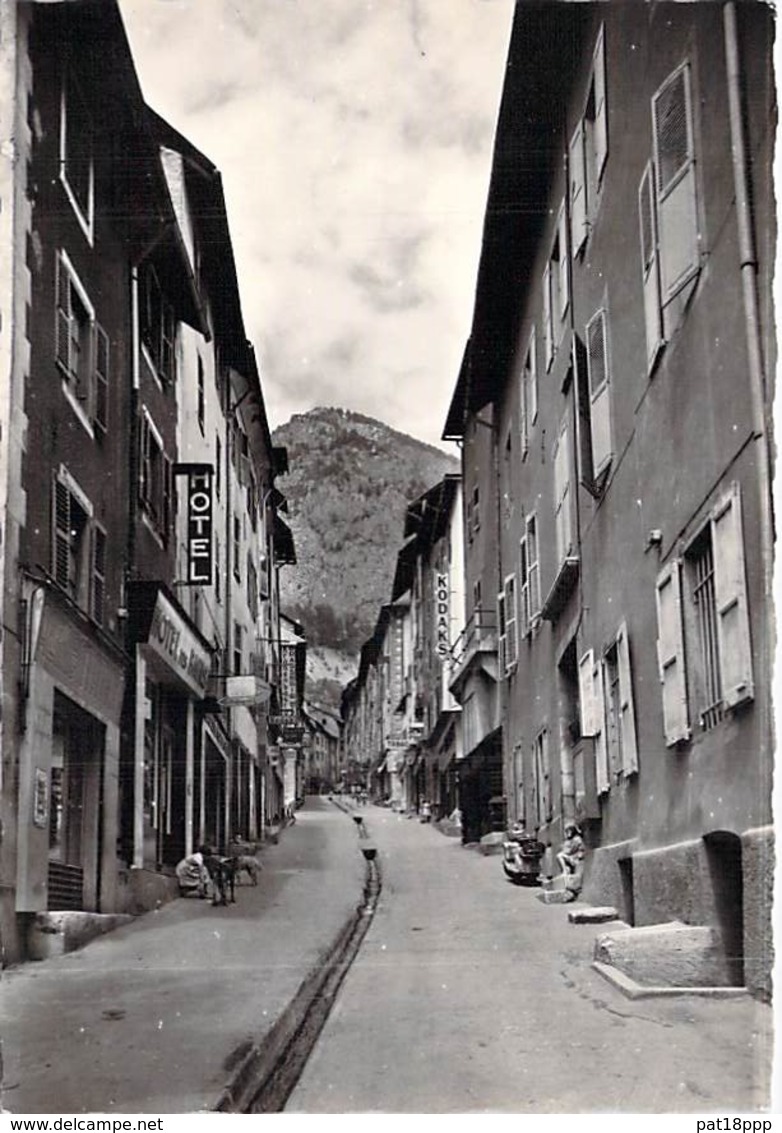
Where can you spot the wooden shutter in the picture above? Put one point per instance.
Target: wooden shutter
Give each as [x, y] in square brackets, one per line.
[601, 105]
[533, 567]
[562, 494]
[601, 744]
[145, 469]
[650, 267]
[675, 182]
[671, 656]
[532, 369]
[101, 416]
[730, 592]
[511, 641]
[524, 397]
[501, 635]
[62, 350]
[98, 573]
[577, 171]
[563, 265]
[168, 495]
[61, 525]
[524, 602]
[599, 386]
[548, 326]
[626, 705]
[586, 694]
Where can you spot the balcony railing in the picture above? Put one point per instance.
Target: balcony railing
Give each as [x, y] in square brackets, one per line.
[479, 634]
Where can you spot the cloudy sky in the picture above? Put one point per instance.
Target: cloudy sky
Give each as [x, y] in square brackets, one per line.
[354, 138]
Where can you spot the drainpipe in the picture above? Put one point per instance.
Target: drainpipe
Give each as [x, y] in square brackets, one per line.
[748, 267]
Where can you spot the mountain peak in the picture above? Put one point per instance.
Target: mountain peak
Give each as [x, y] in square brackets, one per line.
[351, 479]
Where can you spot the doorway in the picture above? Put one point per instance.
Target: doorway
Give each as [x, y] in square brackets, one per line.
[723, 855]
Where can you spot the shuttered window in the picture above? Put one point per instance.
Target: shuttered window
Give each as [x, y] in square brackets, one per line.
[578, 211]
[626, 703]
[82, 349]
[674, 160]
[548, 318]
[98, 573]
[562, 494]
[650, 267]
[670, 655]
[101, 379]
[599, 391]
[543, 791]
[602, 776]
[600, 110]
[156, 478]
[528, 396]
[730, 596]
[586, 693]
[71, 539]
[511, 641]
[501, 633]
[533, 568]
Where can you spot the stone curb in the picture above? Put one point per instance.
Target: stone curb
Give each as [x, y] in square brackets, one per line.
[633, 990]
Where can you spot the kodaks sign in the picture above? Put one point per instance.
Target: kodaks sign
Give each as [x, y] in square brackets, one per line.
[442, 615]
[200, 564]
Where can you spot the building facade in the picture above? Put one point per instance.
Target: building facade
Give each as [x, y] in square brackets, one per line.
[618, 386]
[137, 474]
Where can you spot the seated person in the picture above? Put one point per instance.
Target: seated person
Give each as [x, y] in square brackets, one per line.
[192, 875]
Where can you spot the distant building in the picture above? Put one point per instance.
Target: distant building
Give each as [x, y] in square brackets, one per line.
[614, 408]
[321, 748]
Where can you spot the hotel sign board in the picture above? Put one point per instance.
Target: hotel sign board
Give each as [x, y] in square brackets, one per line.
[200, 518]
[175, 643]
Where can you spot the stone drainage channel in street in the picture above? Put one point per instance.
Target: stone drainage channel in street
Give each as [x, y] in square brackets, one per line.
[264, 1075]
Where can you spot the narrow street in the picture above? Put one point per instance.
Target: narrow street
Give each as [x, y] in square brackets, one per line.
[468, 995]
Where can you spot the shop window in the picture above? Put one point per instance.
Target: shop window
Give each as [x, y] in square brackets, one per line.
[81, 348]
[77, 143]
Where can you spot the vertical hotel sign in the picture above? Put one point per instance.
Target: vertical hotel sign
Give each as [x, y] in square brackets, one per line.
[288, 701]
[200, 562]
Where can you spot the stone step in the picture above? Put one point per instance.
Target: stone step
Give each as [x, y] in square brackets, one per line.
[593, 914]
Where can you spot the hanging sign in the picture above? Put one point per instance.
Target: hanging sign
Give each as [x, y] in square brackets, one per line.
[442, 621]
[200, 564]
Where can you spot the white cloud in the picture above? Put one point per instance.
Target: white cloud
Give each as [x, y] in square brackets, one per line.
[354, 140]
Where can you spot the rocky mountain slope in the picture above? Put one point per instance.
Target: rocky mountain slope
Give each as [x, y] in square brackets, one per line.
[350, 481]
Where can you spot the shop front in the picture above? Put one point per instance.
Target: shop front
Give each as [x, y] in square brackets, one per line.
[72, 688]
[172, 663]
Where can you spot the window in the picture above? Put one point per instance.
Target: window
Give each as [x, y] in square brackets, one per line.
[619, 706]
[509, 606]
[252, 588]
[237, 545]
[157, 325]
[529, 587]
[544, 803]
[218, 579]
[593, 715]
[218, 465]
[588, 152]
[674, 160]
[476, 596]
[528, 395]
[501, 633]
[476, 509]
[156, 481]
[562, 494]
[556, 290]
[98, 603]
[238, 642]
[72, 549]
[201, 405]
[77, 171]
[82, 348]
[703, 641]
[598, 376]
[647, 215]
